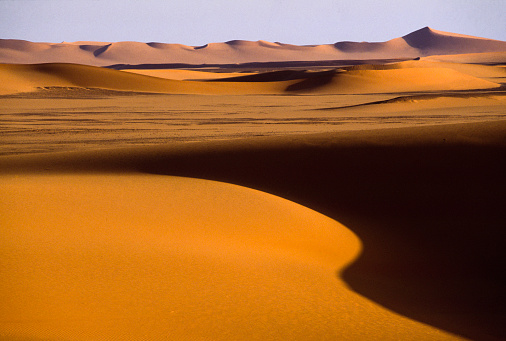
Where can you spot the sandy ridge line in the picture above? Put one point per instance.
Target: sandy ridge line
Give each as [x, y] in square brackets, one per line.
[429, 213]
[23, 78]
[425, 97]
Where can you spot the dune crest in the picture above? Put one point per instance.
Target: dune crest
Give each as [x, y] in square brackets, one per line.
[432, 42]
[153, 191]
[423, 42]
[239, 264]
[411, 261]
[25, 78]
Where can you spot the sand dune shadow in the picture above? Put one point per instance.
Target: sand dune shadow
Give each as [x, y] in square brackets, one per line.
[430, 216]
[426, 202]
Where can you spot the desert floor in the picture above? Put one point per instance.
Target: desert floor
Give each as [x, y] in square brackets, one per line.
[61, 120]
[363, 214]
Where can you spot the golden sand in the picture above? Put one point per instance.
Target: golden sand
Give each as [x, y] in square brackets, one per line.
[152, 257]
[26, 78]
[364, 203]
[95, 249]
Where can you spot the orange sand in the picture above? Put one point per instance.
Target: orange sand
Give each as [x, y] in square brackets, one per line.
[96, 247]
[184, 74]
[25, 78]
[358, 203]
[152, 257]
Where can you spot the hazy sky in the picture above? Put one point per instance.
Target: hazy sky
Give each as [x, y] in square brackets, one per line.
[196, 22]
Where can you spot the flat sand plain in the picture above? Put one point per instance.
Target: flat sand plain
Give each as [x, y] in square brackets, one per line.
[64, 120]
[356, 204]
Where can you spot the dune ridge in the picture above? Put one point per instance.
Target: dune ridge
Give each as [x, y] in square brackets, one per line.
[347, 191]
[424, 256]
[487, 72]
[197, 259]
[490, 58]
[434, 42]
[421, 43]
[24, 78]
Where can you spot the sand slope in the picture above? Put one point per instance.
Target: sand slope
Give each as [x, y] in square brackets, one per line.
[94, 257]
[487, 72]
[184, 74]
[22, 78]
[430, 217]
[395, 80]
[424, 42]
[492, 58]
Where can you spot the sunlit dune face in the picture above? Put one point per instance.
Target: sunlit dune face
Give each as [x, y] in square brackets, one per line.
[399, 140]
[150, 256]
[137, 256]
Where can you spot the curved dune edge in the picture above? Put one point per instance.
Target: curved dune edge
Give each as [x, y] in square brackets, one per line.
[476, 58]
[455, 284]
[486, 72]
[154, 257]
[183, 74]
[423, 42]
[26, 78]
[396, 80]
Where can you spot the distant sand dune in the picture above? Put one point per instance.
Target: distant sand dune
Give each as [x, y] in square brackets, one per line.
[480, 71]
[184, 74]
[394, 80]
[433, 42]
[424, 42]
[492, 58]
[22, 78]
[275, 204]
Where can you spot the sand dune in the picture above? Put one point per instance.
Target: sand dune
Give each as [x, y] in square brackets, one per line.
[194, 259]
[492, 58]
[394, 80]
[22, 78]
[316, 201]
[184, 74]
[433, 42]
[400, 77]
[487, 72]
[424, 42]
[424, 255]
[197, 259]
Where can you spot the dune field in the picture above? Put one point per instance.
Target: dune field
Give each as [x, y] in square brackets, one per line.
[253, 190]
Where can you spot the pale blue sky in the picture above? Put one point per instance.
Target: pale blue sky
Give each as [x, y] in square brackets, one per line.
[196, 22]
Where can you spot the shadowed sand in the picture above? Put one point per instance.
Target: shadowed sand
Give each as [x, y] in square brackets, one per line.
[425, 202]
[136, 256]
[386, 225]
[26, 78]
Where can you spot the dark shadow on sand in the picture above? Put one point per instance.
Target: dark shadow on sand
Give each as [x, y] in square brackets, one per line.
[430, 211]
[431, 218]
